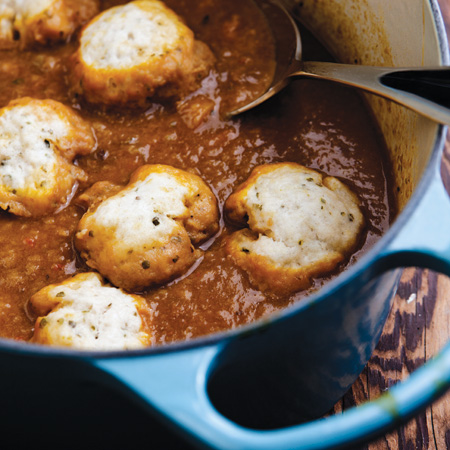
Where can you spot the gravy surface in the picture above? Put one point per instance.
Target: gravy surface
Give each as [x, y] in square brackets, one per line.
[322, 126]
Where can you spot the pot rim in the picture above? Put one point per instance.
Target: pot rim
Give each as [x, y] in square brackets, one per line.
[350, 273]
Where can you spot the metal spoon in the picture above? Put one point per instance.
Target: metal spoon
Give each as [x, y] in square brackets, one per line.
[424, 90]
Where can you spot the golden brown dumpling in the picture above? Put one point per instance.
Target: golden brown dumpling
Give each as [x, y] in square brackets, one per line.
[300, 225]
[144, 234]
[85, 313]
[38, 141]
[130, 52]
[24, 23]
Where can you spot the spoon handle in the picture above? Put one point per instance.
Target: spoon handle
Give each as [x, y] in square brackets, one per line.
[425, 90]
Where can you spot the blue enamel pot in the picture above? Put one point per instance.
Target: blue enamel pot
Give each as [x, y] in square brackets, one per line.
[264, 386]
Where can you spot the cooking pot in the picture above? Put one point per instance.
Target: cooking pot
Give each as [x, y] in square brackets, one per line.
[264, 385]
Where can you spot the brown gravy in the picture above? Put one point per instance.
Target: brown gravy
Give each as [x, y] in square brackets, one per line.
[319, 125]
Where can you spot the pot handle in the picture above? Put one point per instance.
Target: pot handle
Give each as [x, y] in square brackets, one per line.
[174, 384]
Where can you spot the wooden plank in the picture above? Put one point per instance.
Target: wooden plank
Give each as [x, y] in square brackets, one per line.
[401, 350]
[440, 324]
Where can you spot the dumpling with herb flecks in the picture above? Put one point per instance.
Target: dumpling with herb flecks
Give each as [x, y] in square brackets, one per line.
[300, 225]
[85, 313]
[39, 140]
[131, 52]
[144, 234]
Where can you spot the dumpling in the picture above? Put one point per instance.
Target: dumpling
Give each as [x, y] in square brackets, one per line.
[143, 235]
[300, 225]
[24, 23]
[85, 313]
[39, 140]
[131, 52]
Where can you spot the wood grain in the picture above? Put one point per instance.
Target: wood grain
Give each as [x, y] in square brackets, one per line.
[417, 328]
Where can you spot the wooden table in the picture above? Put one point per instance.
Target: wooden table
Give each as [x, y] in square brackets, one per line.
[417, 328]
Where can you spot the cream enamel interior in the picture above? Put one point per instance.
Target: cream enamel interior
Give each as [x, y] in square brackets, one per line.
[396, 33]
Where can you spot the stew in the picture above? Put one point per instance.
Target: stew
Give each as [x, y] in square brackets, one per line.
[319, 125]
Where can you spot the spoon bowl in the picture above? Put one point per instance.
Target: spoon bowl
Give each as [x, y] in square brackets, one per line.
[425, 90]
